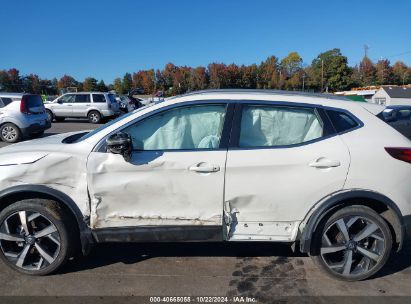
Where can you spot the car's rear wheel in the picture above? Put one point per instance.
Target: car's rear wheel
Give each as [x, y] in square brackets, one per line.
[50, 115]
[34, 236]
[353, 244]
[10, 133]
[94, 117]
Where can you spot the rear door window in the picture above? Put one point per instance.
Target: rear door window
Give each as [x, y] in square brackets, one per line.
[271, 126]
[82, 98]
[99, 98]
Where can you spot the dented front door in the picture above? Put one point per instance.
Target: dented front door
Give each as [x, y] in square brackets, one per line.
[156, 188]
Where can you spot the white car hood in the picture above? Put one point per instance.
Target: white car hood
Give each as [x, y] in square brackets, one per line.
[28, 152]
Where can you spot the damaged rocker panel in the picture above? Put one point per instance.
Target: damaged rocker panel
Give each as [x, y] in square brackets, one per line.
[159, 234]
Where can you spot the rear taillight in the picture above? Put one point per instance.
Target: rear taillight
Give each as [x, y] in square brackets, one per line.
[23, 105]
[403, 154]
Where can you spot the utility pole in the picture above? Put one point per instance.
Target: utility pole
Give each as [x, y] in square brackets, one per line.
[366, 47]
[322, 75]
[303, 81]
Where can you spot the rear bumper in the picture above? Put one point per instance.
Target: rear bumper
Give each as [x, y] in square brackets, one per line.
[35, 128]
[110, 113]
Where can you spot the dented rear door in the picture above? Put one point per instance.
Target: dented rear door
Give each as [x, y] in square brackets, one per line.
[274, 174]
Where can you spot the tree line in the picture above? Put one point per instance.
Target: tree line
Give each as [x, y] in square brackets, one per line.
[329, 71]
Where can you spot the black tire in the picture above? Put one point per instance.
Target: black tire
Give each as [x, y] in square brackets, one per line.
[60, 119]
[37, 135]
[48, 213]
[10, 133]
[358, 249]
[50, 115]
[94, 117]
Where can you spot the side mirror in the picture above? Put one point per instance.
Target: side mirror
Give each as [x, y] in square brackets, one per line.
[120, 143]
[59, 101]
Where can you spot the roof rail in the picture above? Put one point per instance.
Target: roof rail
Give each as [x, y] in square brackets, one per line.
[262, 91]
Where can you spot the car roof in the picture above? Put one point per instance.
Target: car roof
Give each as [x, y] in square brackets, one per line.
[277, 95]
[264, 92]
[86, 93]
[6, 94]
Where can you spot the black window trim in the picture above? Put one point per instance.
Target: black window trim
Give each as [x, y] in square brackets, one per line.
[329, 129]
[231, 129]
[360, 124]
[225, 137]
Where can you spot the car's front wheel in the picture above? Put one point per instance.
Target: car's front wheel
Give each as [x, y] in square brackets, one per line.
[34, 236]
[353, 244]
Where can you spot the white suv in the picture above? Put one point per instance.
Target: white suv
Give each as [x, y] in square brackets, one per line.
[252, 166]
[95, 106]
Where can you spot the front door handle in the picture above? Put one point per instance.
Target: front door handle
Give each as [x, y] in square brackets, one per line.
[324, 163]
[204, 168]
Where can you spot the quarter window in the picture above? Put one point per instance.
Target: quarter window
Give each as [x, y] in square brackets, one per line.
[404, 114]
[342, 121]
[99, 98]
[184, 128]
[270, 126]
[4, 101]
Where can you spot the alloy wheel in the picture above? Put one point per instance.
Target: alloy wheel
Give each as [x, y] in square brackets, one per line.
[29, 240]
[94, 117]
[9, 133]
[352, 246]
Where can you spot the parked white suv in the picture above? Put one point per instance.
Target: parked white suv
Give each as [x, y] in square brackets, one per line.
[95, 106]
[252, 166]
[22, 115]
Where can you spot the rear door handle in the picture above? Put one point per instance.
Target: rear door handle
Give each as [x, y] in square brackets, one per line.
[324, 163]
[204, 168]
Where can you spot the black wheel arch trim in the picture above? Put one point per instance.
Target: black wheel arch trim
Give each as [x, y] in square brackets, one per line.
[335, 200]
[86, 237]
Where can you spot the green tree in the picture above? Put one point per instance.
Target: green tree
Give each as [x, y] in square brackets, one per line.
[101, 86]
[127, 83]
[118, 86]
[90, 84]
[330, 71]
[291, 64]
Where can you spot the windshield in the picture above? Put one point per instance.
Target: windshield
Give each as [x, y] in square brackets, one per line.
[101, 128]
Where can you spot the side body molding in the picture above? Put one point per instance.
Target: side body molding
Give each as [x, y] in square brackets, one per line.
[86, 237]
[336, 200]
